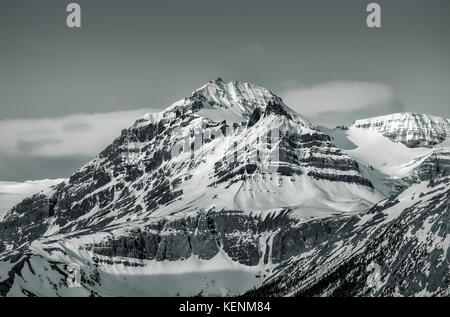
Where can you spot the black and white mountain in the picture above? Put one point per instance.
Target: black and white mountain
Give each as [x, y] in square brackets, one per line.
[230, 192]
[410, 129]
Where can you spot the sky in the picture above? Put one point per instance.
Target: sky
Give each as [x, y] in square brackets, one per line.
[66, 93]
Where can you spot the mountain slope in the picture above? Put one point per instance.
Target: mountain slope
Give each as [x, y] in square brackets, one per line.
[400, 247]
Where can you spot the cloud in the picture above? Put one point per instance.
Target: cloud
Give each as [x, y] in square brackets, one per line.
[78, 134]
[342, 102]
[55, 147]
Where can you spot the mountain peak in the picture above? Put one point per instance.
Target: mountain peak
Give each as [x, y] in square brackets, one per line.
[234, 102]
[411, 129]
[233, 93]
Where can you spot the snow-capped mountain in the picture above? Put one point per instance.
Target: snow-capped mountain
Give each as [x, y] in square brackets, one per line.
[395, 151]
[411, 129]
[222, 190]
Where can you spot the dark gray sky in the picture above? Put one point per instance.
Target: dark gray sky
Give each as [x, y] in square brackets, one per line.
[138, 54]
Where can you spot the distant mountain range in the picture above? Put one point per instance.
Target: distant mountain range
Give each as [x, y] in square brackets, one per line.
[231, 192]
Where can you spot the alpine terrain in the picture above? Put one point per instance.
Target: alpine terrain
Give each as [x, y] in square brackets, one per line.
[230, 192]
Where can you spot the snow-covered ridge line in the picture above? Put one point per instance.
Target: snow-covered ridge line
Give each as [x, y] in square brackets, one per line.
[403, 117]
[217, 100]
[411, 129]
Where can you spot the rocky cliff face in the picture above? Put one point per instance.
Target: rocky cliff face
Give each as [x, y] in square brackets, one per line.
[229, 177]
[248, 239]
[433, 166]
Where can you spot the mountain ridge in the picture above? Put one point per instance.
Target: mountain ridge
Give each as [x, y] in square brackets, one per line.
[411, 129]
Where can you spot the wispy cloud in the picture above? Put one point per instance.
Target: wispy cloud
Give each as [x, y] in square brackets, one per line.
[78, 134]
[56, 147]
[341, 102]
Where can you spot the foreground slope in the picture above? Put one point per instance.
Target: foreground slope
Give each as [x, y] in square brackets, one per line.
[400, 247]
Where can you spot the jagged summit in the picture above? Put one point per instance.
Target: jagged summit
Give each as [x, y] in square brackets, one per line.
[246, 95]
[234, 102]
[411, 129]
